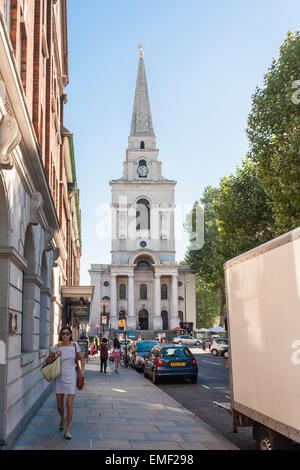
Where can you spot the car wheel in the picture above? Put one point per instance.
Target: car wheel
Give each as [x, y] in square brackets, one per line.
[145, 374]
[226, 354]
[154, 378]
[198, 343]
[194, 379]
[180, 342]
[214, 352]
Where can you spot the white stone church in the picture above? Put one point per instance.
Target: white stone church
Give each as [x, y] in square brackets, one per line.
[143, 284]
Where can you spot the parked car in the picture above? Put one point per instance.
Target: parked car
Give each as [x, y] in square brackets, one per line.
[137, 352]
[185, 339]
[217, 345]
[170, 361]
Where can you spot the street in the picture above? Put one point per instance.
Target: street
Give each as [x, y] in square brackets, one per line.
[213, 385]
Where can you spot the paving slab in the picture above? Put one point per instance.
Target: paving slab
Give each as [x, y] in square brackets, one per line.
[121, 411]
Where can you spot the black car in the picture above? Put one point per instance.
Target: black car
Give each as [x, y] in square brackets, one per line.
[138, 351]
[171, 361]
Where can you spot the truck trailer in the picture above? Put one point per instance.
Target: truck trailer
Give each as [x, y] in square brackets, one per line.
[263, 315]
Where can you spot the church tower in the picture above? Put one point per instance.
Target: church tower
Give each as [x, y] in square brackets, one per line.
[142, 286]
[142, 200]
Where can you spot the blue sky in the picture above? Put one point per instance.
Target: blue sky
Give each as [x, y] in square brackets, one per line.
[204, 59]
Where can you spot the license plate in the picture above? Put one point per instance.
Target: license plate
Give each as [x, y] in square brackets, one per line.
[177, 364]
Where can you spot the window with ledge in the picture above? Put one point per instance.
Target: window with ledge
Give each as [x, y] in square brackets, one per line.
[143, 215]
[164, 292]
[122, 292]
[143, 292]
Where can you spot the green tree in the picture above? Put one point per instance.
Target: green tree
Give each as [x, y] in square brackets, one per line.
[206, 262]
[243, 214]
[207, 304]
[274, 135]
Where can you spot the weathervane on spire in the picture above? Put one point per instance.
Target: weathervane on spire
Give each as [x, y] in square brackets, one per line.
[141, 50]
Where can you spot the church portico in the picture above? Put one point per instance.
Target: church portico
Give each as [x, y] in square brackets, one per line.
[143, 278]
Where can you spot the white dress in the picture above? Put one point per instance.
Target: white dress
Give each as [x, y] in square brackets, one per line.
[66, 382]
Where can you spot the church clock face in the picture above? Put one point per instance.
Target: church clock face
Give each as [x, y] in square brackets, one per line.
[143, 170]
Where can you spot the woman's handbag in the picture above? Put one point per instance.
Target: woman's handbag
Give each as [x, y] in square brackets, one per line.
[51, 371]
[80, 380]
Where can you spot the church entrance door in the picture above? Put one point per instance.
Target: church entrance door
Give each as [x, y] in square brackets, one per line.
[144, 320]
[165, 320]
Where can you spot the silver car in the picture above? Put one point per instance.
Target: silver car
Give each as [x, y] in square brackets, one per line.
[185, 339]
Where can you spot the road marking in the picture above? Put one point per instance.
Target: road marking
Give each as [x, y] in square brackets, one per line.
[214, 363]
[228, 397]
[205, 386]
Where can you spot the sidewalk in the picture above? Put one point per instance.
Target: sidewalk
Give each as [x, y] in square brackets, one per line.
[121, 412]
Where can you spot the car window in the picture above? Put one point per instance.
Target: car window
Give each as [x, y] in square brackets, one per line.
[222, 341]
[145, 346]
[176, 352]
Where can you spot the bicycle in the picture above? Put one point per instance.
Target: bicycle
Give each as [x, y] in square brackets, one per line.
[124, 360]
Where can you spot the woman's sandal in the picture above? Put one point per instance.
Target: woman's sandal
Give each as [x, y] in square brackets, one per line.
[62, 427]
[68, 436]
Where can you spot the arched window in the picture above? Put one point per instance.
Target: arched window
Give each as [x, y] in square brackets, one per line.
[143, 265]
[106, 298]
[142, 145]
[44, 307]
[143, 292]
[122, 292]
[143, 215]
[28, 300]
[164, 292]
[180, 298]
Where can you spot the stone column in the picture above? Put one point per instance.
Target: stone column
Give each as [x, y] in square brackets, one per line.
[131, 323]
[157, 324]
[113, 319]
[174, 321]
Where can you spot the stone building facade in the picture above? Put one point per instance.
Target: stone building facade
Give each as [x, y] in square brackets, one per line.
[40, 234]
[143, 285]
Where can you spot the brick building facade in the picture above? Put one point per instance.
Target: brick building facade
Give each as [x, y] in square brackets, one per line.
[40, 219]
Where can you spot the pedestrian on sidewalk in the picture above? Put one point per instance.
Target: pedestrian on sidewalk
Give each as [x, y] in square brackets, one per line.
[67, 381]
[117, 353]
[104, 354]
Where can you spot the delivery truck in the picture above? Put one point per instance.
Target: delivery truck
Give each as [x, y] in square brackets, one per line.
[263, 316]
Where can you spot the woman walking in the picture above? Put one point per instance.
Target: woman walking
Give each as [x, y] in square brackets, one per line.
[117, 353]
[66, 382]
[103, 354]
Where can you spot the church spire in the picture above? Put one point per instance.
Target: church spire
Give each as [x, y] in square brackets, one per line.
[142, 125]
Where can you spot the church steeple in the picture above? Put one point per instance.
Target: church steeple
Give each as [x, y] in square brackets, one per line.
[141, 125]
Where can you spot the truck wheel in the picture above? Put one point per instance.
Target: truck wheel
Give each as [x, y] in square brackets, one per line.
[267, 439]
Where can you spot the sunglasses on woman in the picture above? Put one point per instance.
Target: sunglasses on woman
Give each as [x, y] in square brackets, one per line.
[66, 333]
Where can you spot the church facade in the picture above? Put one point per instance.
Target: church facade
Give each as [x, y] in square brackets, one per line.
[143, 285]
